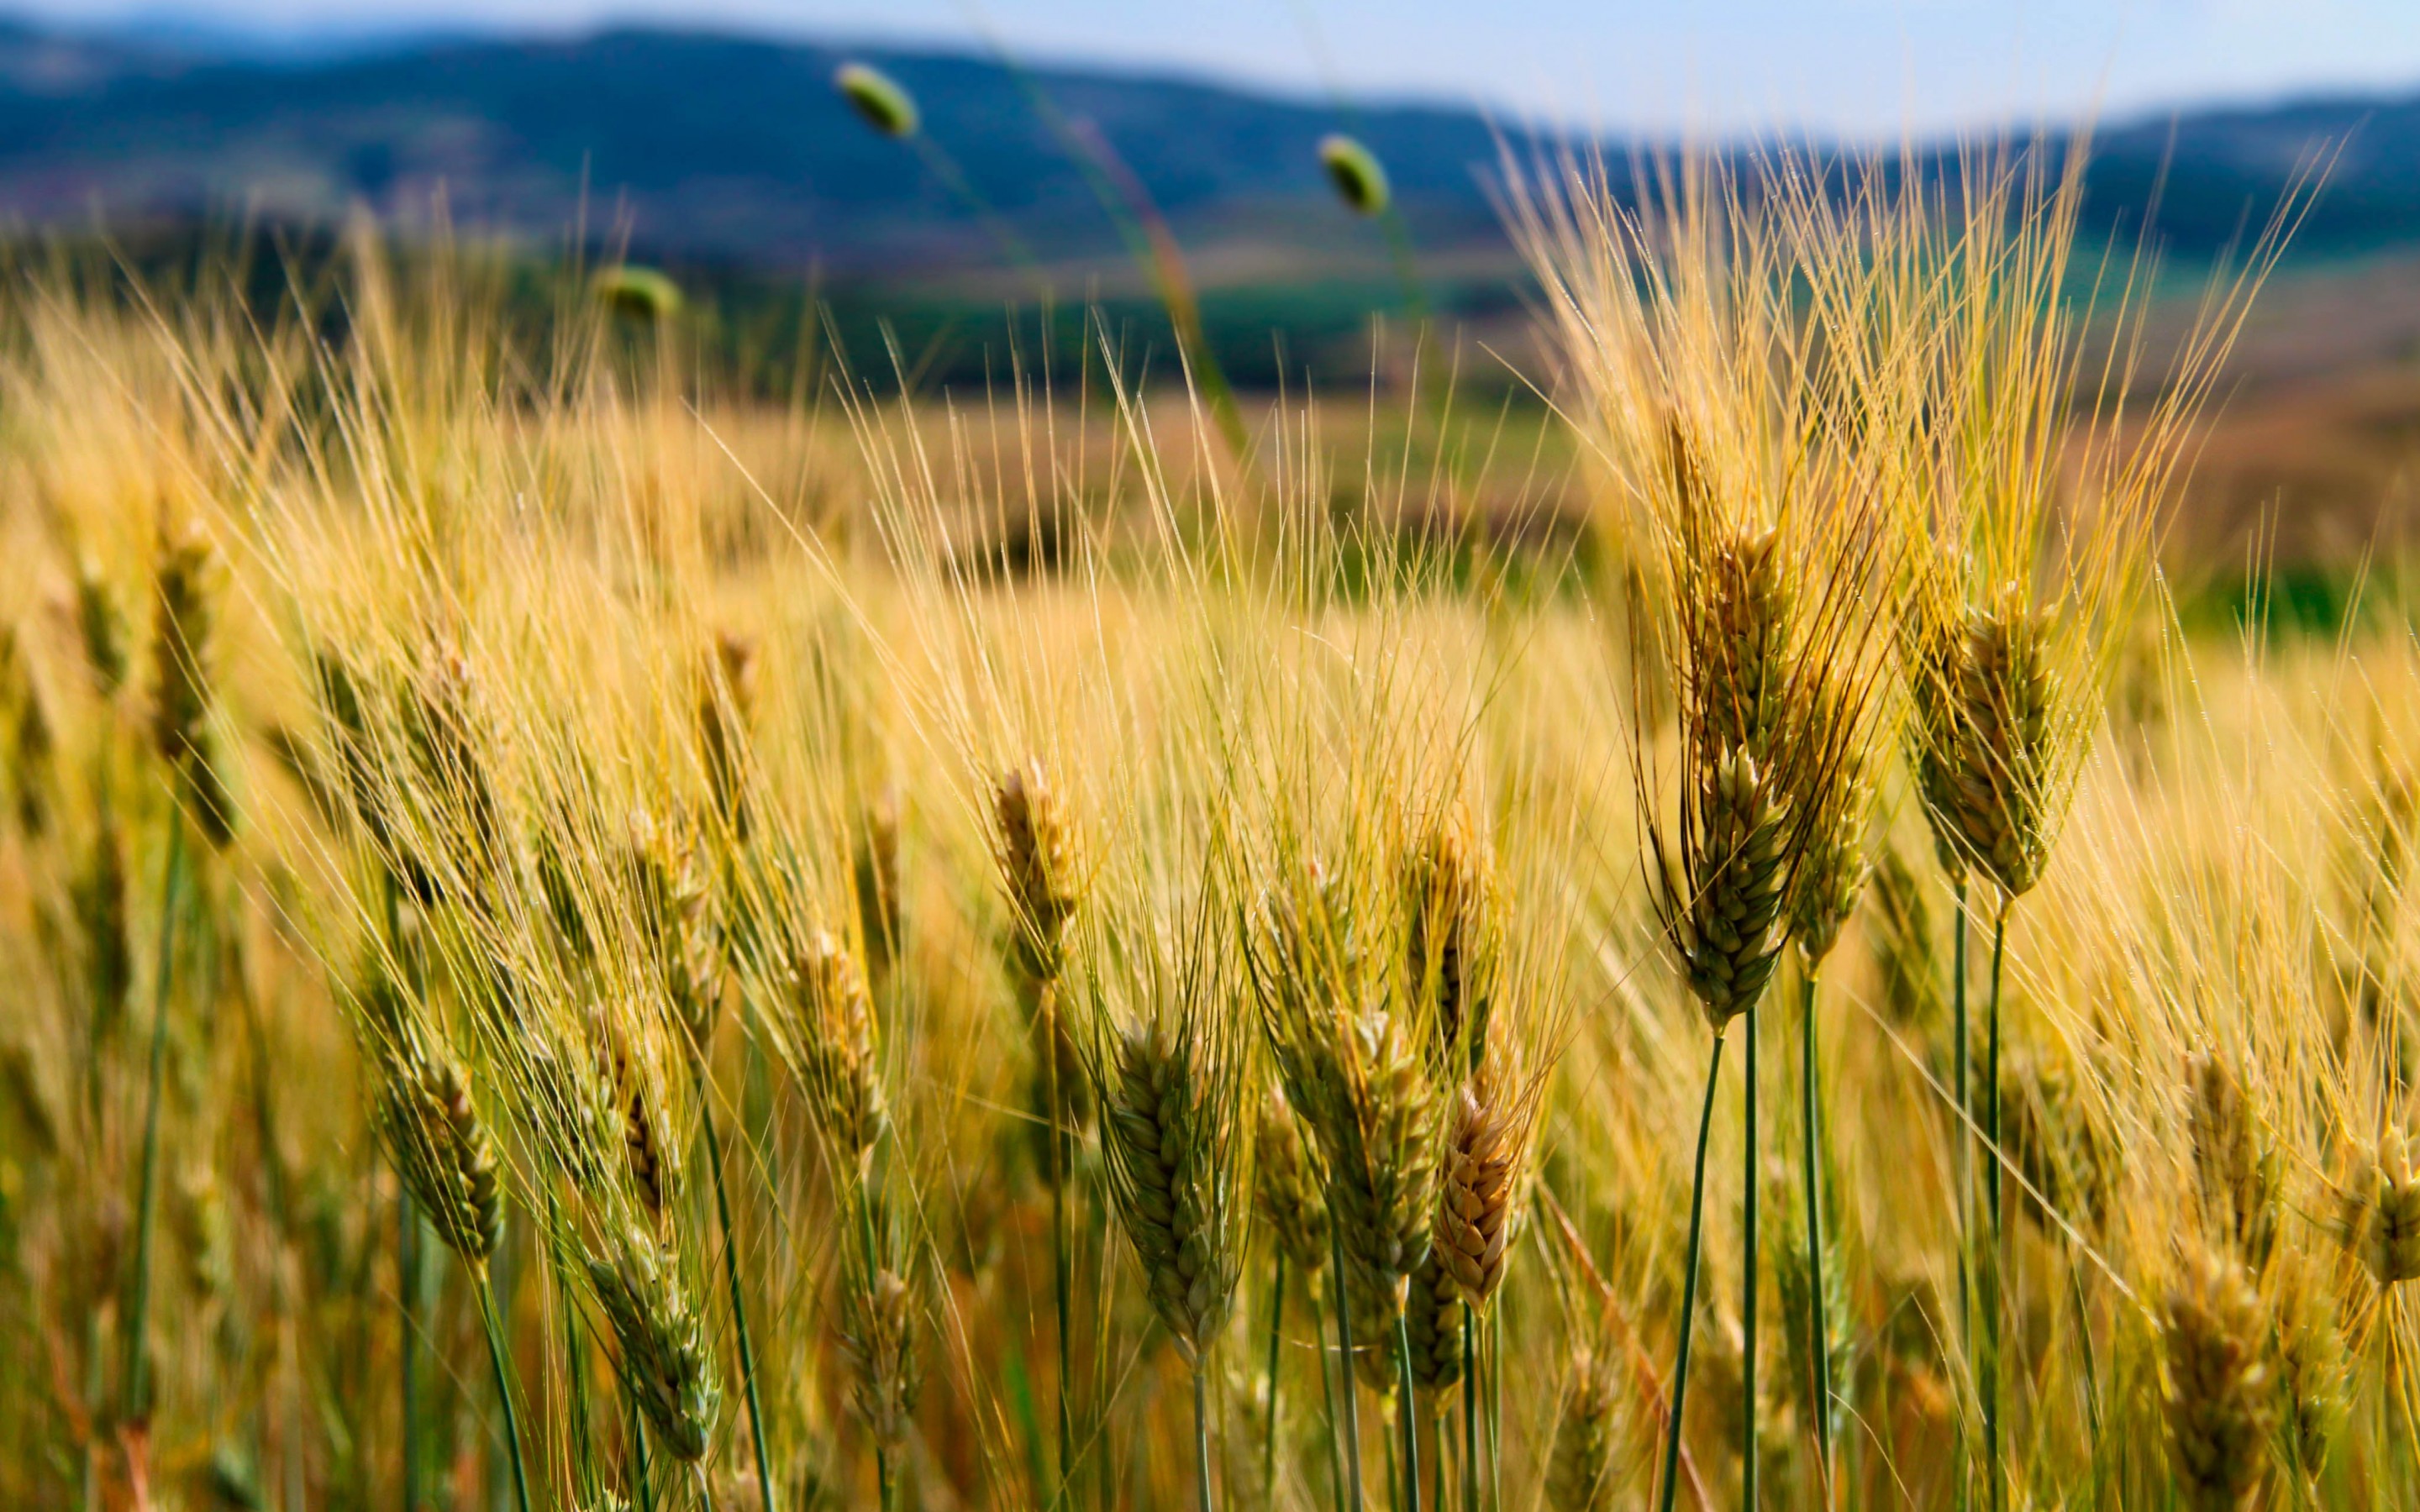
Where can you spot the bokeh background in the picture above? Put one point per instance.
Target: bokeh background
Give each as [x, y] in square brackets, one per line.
[707, 138]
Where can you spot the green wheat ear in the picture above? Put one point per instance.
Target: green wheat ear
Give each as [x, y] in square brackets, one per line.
[637, 293]
[878, 99]
[1359, 178]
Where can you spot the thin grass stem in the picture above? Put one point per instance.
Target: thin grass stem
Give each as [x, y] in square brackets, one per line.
[135, 1403]
[1344, 1369]
[1748, 1257]
[738, 1306]
[496, 1357]
[1277, 1338]
[1671, 1481]
[1470, 1412]
[1811, 1157]
[407, 1268]
[1410, 1414]
[1202, 1434]
[1991, 1301]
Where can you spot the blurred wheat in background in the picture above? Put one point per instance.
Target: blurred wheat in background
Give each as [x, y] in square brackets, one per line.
[576, 944]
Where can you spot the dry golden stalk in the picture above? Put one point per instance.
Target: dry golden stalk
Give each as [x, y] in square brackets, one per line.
[662, 1361]
[2235, 1164]
[1286, 1188]
[440, 1148]
[836, 1048]
[1580, 1467]
[878, 1336]
[1171, 1136]
[1474, 1222]
[181, 668]
[2379, 1211]
[2004, 696]
[1451, 917]
[1721, 907]
[726, 707]
[2310, 1366]
[2220, 1403]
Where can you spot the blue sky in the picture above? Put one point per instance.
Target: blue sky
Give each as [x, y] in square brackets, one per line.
[1862, 67]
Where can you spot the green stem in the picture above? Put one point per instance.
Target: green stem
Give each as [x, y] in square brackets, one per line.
[1689, 1285]
[1748, 1257]
[739, 1307]
[1470, 1412]
[1202, 1434]
[1410, 1414]
[407, 1267]
[136, 1405]
[1992, 1271]
[1965, 1134]
[1063, 1283]
[1344, 1368]
[504, 1389]
[1812, 1158]
[1276, 1338]
[1328, 1408]
[640, 1478]
[1437, 1456]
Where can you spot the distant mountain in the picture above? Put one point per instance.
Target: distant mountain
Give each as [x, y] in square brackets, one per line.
[721, 149]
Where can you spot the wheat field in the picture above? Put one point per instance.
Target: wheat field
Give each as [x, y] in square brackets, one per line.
[571, 944]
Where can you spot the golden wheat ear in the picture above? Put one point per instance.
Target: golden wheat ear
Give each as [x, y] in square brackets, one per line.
[2219, 1402]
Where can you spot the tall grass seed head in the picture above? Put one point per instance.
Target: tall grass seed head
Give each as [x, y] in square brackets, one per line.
[1356, 174]
[879, 100]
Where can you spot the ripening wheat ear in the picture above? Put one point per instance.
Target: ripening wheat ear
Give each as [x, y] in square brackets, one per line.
[439, 1144]
[1451, 936]
[2220, 1402]
[673, 900]
[2378, 1213]
[834, 1022]
[661, 1359]
[878, 1339]
[182, 654]
[2236, 1169]
[1581, 1466]
[726, 708]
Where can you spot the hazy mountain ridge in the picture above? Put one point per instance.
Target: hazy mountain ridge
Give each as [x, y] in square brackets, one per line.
[728, 150]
